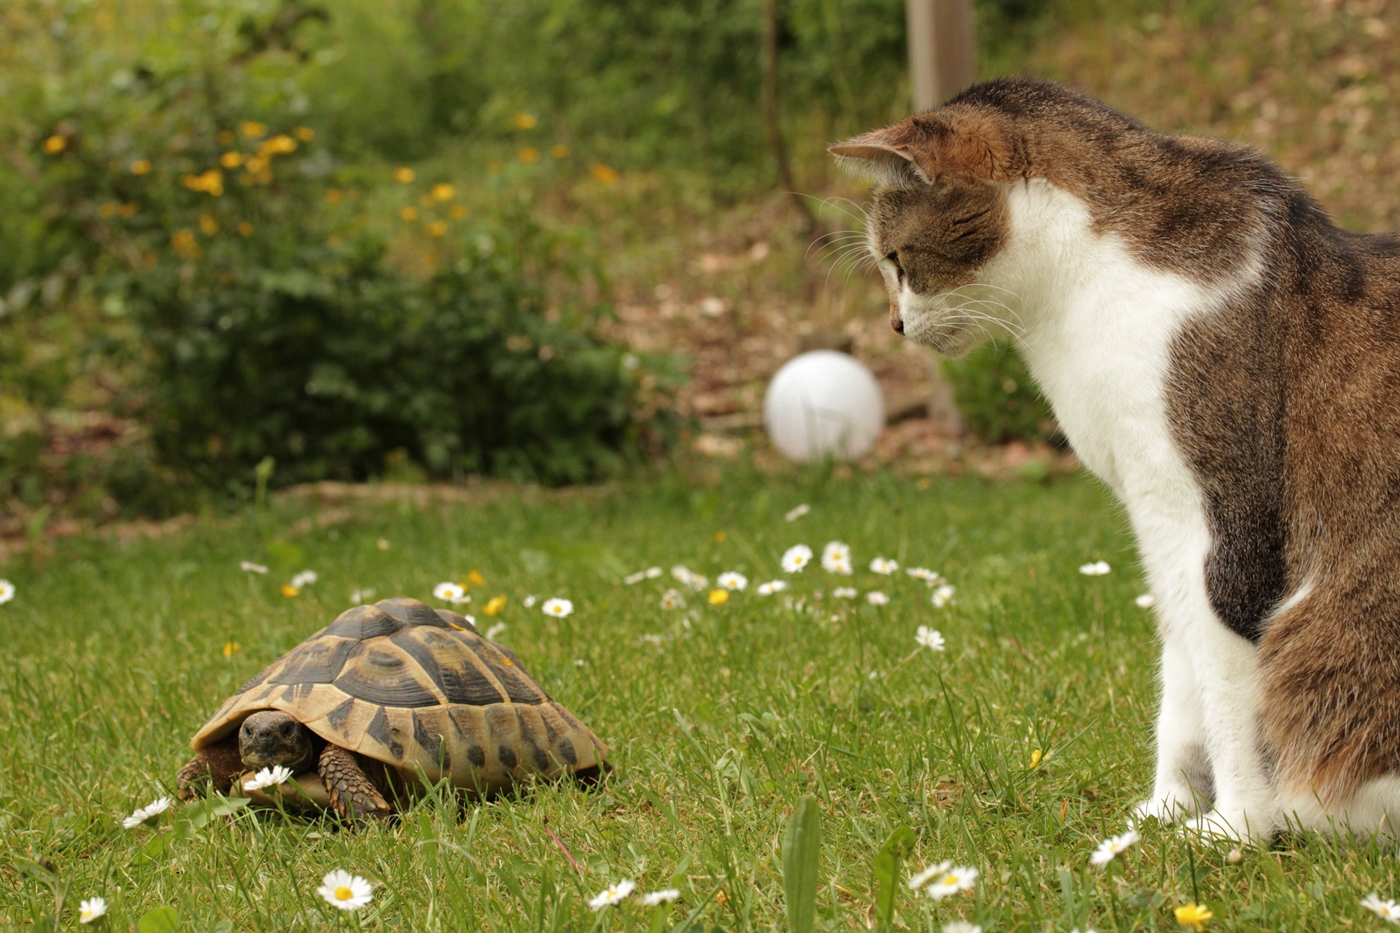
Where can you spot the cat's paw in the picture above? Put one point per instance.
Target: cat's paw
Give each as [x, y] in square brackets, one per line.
[1231, 825]
[1166, 809]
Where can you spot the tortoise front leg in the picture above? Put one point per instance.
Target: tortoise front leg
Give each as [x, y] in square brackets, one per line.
[352, 794]
[220, 763]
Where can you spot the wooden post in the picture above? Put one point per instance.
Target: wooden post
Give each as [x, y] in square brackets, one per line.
[771, 118]
[942, 50]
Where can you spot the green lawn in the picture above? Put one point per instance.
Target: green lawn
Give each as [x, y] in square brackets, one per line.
[115, 655]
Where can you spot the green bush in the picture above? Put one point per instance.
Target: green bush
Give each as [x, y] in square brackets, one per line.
[996, 396]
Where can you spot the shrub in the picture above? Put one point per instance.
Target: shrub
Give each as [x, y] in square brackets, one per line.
[996, 396]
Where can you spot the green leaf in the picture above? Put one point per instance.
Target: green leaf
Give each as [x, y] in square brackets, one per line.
[886, 874]
[213, 807]
[160, 920]
[801, 853]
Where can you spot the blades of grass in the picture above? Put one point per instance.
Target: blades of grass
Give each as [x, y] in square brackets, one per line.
[801, 854]
[885, 880]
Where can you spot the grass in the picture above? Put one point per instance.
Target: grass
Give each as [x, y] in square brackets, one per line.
[114, 657]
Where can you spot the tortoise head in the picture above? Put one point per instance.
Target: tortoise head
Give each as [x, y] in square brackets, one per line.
[271, 737]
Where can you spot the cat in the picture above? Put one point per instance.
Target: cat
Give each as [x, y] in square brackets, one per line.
[1227, 361]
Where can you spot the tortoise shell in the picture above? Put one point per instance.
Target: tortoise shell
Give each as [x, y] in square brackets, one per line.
[418, 689]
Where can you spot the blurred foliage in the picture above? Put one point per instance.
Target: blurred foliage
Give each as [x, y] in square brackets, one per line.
[996, 396]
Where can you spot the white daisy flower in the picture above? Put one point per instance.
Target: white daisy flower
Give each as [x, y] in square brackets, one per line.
[7, 591]
[796, 557]
[653, 572]
[836, 557]
[251, 567]
[877, 598]
[930, 638]
[90, 909]
[796, 513]
[495, 631]
[733, 581]
[665, 896]
[453, 593]
[345, 891]
[657, 640]
[953, 881]
[928, 874]
[683, 575]
[771, 587]
[559, 608]
[269, 777]
[1146, 601]
[881, 565]
[613, 894]
[637, 577]
[942, 596]
[672, 599]
[1108, 849]
[845, 592]
[923, 573]
[1097, 569]
[961, 926]
[1386, 910]
[156, 808]
[304, 579]
[471, 620]
[360, 597]
[529, 601]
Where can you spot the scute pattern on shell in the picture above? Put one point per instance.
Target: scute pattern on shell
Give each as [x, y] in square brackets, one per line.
[418, 688]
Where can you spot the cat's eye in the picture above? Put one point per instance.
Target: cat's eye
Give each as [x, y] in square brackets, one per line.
[898, 269]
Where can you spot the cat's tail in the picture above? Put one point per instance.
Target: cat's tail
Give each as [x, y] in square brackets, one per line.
[1330, 669]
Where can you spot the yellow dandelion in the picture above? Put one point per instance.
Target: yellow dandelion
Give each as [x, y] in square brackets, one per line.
[109, 209]
[231, 159]
[278, 145]
[256, 164]
[253, 129]
[475, 578]
[289, 591]
[443, 192]
[496, 604]
[404, 175]
[523, 121]
[128, 210]
[225, 138]
[184, 243]
[208, 224]
[559, 151]
[718, 597]
[231, 648]
[335, 196]
[210, 182]
[1193, 915]
[140, 167]
[529, 154]
[458, 212]
[245, 228]
[304, 133]
[437, 228]
[720, 536]
[603, 173]
[409, 213]
[1036, 756]
[55, 144]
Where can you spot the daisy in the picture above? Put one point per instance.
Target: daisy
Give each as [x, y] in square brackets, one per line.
[771, 587]
[613, 894]
[798, 512]
[1146, 601]
[877, 598]
[529, 601]
[665, 896]
[454, 593]
[90, 909]
[881, 565]
[718, 597]
[304, 579]
[1096, 569]
[961, 926]
[156, 808]
[269, 777]
[1108, 849]
[672, 599]
[360, 597]
[7, 591]
[1386, 910]
[657, 640]
[796, 557]
[930, 638]
[683, 575]
[733, 581]
[928, 874]
[495, 631]
[845, 592]
[942, 596]
[382, 544]
[836, 557]
[1193, 915]
[923, 573]
[953, 881]
[251, 568]
[637, 577]
[559, 608]
[345, 891]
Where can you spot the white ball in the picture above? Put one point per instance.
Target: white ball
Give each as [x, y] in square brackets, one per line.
[821, 403]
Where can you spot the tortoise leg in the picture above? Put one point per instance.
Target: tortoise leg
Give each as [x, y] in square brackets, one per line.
[220, 763]
[352, 794]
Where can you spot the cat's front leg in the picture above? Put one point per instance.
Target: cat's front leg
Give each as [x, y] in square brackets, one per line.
[1183, 783]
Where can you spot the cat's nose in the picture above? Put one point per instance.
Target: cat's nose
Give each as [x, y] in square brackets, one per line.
[897, 324]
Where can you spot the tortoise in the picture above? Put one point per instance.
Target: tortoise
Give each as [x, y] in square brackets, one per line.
[388, 696]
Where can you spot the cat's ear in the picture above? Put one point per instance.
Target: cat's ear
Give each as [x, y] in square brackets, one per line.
[963, 144]
[884, 156]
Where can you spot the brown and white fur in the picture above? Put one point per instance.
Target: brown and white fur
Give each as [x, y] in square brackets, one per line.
[1228, 362]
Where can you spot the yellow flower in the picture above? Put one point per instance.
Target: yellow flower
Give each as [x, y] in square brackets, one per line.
[209, 225]
[55, 144]
[140, 166]
[278, 145]
[1193, 915]
[475, 578]
[404, 175]
[559, 151]
[245, 228]
[604, 173]
[289, 591]
[719, 597]
[1035, 759]
[304, 133]
[128, 210]
[334, 196]
[458, 212]
[720, 536]
[252, 129]
[231, 159]
[529, 154]
[523, 121]
[443, 192]
[210, 182]
[409, 213]
[496, 604]
[231, 648]
[437, 228]
[108, 209]
[184, 243]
